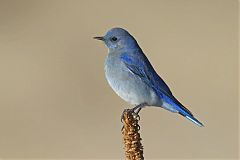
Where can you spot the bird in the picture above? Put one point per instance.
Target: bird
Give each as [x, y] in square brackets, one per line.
[131, 75]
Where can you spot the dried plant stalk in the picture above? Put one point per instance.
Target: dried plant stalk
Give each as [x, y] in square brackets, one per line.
[131, 137]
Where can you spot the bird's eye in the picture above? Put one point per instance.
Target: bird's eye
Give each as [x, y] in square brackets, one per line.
[114, 38]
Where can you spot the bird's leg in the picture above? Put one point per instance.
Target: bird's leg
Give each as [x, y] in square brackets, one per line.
[137, 108]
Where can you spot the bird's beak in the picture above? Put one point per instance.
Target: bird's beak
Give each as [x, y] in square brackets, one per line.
[99, 38]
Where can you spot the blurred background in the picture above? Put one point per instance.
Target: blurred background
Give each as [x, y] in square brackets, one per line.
[55, 101]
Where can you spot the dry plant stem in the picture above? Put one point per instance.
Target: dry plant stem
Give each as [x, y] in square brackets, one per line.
[131, 137]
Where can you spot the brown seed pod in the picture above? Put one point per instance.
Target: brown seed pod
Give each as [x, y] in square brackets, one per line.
[131, 137]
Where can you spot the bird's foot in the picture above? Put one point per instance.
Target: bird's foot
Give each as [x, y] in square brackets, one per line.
[132, 110]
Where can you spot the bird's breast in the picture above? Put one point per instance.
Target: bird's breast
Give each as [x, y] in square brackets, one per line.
[128, 86]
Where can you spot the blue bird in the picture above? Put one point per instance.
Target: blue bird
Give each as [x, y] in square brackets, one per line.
[132, 77]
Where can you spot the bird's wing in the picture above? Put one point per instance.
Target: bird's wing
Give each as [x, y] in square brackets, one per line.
[140, 66]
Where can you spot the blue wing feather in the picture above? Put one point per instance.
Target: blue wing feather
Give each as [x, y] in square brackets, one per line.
[140, 66]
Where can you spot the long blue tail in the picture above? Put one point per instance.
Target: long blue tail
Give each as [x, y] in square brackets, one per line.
[181, 109]
[170, 99]
[186, 113]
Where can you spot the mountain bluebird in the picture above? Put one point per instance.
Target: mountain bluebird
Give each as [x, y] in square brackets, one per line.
[133, 78]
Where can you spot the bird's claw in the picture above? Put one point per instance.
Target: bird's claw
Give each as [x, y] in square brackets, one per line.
[135, 114]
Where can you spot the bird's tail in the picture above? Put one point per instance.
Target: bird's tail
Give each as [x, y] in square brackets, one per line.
[185, 113]
[170, 99]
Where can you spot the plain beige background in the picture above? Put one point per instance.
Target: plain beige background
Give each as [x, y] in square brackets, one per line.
[56, 103]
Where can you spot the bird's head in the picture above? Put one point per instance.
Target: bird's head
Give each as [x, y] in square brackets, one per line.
[118, 38]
